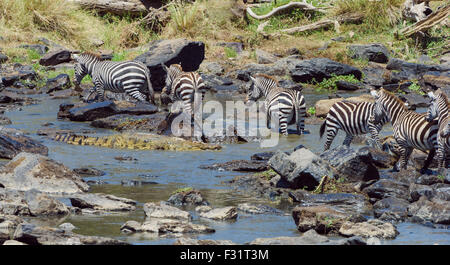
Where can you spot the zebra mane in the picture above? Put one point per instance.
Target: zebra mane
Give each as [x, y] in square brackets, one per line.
[392, 96]
[440, 93]
[92, 54]
[267, 78]
[177, 66]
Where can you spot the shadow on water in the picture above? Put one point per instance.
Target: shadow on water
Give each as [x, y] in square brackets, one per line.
[168, 171]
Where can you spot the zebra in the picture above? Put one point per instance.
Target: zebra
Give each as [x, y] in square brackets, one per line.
[130, 77]
[411, 129]
[354, 118]
[439, 109]
[289, 104]
[183, 86]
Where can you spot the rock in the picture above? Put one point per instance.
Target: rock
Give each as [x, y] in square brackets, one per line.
[264, 156]
[321, 68]
[19, 73]
[323, 106]
[13, 243]
[347, 86]
[30, 203]
[323, 219]
[410, 71]
[252, 69]
[415, 100]
[131, 227]
[98, 110]
[226, 213]
[189, 54]
[158, 122]
[300, 169]
[436, 211]
[237, 46]
[263, 57]
[60, 82]
[391, 209]
[39, 48]
[288, 84]
[161, 210]
[217, 83]
[349, 203]
[258, 209]
[372, 52]
[416, 191]
[380, 158]
[431, 179]
[164, 226]
[67, 226]
[33, 171]
[238, 165]
[36, 235]
[106, 54]
[214, 68]
[89, 172]
[102, 202]
[353, 165]
[55, 57]
[12, 142]
[203, 209]
[5, 120]
[371, 228]
[385, 188]
[203, 242]
[3, 58]
[191, 197]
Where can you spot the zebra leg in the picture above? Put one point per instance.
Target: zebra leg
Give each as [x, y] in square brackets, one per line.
[331, 133]
[348, 140]
[135, 93]
[440, 155]
[405, 152]
[374, 132]
[427, 163]
[88, 96]
[283, 123]
[98, 86]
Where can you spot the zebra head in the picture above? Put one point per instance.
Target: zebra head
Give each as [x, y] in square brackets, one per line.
[84, 65]
[432, 111]
[171, 73]
[260, 86]
[378, 110]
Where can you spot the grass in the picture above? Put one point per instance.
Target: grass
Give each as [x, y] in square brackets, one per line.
[230, 52]
[415, 87]
[330, 83]
[311, 111]
[267, 175]
[180, 190]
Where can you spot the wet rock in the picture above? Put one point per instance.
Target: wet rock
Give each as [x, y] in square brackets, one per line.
[202, 242]
[385, 188]
[347, 86]
[55, 57]
[264, 156]
[351, 164]
[8, 224]
[226, 213]
[11, 76]
[371, 228]
[323, 219]
[102, 202]
[12, 142]
[60, 82]
[4, 120]
[229, 135]
[89, 172]
[435, 80]
[349, 203]
[33, 171]
[372, 52]
[39, 48]
[238, 165]
[435, 211]
[323, 106]
[263, 57]
[258, 209]
[374, 75]
[164, 226]
[219, 83]
[40, 235]
[380, 158]
[13, 243]
[320, 68]
[203, 209]
[157, 122]
[300, 169]
[98, 110]
[391, 209]
[67, 226]
[136, 183]
[416, 191]
[432, 179]
[161, 210]
[191, 197]
[189, 54]
[412, 70]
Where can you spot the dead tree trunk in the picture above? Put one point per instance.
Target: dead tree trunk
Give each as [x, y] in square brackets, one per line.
[118, 7]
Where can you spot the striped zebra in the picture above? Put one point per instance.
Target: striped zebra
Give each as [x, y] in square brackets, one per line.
[288, 104]
[130, 77]
[411, 129]
[354, 118]
[439, 109]
[183, 86]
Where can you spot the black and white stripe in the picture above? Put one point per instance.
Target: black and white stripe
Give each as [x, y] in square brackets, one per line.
[439, 109]
[130, 77]
[411, 129]
[354, 118]
[183, 86]
[288, 104]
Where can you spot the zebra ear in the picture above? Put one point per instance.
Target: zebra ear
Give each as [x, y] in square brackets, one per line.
[431, 95]
[165, 68]
[75, 56]
[374, 93]
[253, 79]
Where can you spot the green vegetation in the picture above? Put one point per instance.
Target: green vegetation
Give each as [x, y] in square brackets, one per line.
[416, 87]
[311, 111]
[180, 190]
[441, 177]
[267, 175]
[330, 83]
[230, 52]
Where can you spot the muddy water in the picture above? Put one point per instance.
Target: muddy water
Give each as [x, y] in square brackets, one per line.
[167, 171]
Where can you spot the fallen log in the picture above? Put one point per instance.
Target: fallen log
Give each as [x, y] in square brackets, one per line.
[118, 7]
[354, 17]
[301, 5]
[427, 23]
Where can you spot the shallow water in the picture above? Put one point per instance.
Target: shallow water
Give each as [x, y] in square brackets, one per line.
[172, 170]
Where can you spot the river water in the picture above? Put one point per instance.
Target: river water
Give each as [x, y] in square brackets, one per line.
[167, 171]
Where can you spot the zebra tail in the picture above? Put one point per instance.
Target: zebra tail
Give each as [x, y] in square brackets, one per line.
[150, 87]
[297, 114]
[322, 128]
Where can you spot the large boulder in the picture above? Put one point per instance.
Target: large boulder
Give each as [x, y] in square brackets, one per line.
[385, 188]
[102, 202]
[165, 226]
[55, 57]
[391, 209]
[371, 228]
[12, 142]
[353, 165]
[60, 82]
[263, 57]
[349, 203]
[33, 171]
[323, 106]
[162, 210]
[435, 210]
[225, 213]
[189, 197]
[321, 68]
[189, 54]
[300, 169]
[372, 52]
[239, 165]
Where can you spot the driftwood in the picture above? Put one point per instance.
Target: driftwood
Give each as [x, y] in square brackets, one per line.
[118, 7]
[354, 17]
[302, 5]
[427, 23]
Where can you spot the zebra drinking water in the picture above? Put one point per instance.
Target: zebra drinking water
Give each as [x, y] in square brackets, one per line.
[439, 109]
[354, 118]
[411, 129]
[288, 104]
[130, 77]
